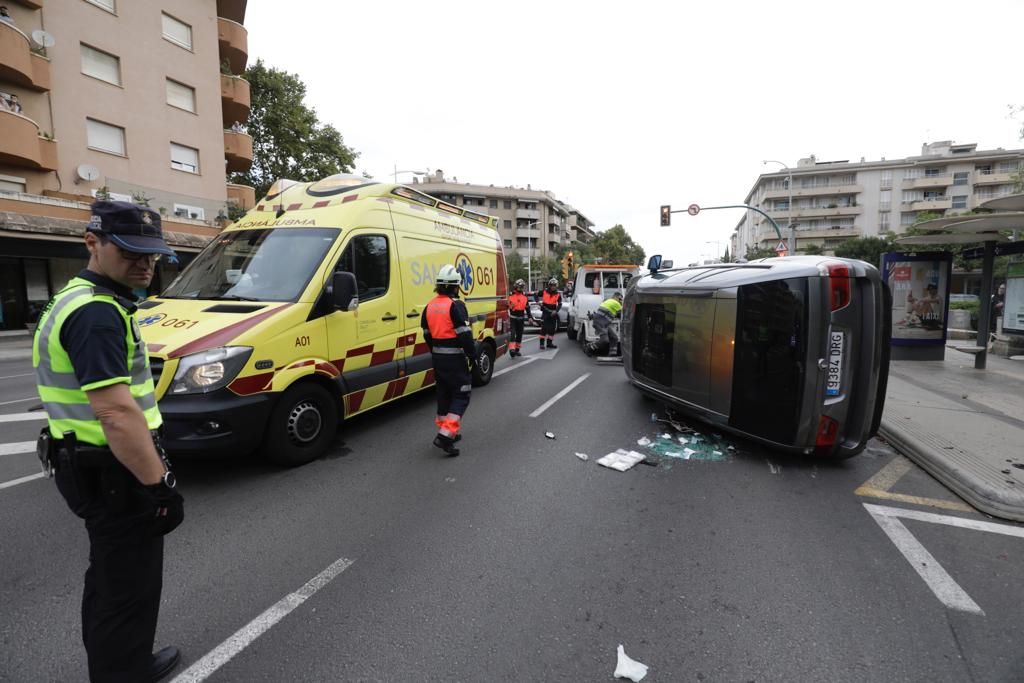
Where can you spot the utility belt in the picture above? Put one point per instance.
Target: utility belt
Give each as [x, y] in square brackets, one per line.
[517, 314]
[68, 452]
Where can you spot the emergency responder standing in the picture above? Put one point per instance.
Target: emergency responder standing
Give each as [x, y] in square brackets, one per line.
[608, 339]
[518, 309]
[93, 376]
[550, 303]
[447, 331]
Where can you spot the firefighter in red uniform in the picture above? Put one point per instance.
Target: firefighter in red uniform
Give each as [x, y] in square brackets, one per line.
[447, 331]
[550, 302]
[518, 310]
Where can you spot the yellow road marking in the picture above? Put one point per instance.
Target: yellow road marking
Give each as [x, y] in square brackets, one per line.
[880, 484]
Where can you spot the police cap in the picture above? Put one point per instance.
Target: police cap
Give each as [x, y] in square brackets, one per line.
[133, 228]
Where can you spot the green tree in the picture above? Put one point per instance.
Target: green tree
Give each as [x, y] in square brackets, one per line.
[726, 258]
[812, 250]
[515, 268]
[288, 140]
[615, 245]
[757, 252]
[869, 249]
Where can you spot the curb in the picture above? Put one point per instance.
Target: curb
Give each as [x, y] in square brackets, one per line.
[978, 482]
[15, 353]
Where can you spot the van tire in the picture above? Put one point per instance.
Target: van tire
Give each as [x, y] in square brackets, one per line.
[570, 329]
[484, 366]
[302, 425]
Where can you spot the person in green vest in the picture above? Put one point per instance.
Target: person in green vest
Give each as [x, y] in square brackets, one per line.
[608, 339]
[92, 373]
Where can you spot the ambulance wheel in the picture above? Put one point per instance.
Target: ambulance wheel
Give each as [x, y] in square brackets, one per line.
[570, 329]
[484, 366]
[301, 427]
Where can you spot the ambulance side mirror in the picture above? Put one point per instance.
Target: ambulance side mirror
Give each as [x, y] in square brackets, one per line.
[343, 291]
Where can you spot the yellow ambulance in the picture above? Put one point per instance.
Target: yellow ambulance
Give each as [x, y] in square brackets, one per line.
[307, 310]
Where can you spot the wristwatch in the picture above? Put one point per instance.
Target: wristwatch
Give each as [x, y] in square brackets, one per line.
[168, 479]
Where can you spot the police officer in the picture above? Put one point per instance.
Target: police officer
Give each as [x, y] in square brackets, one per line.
[447, 331]
[518, 309]
[609, 310]
[550, 303]
[93, 376]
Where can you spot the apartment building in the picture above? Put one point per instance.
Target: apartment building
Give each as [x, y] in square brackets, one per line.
[834, 201]
[141, 101]
[531, 222]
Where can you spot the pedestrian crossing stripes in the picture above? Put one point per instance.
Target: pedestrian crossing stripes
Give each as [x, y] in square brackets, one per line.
[23, 417]
[17, 447]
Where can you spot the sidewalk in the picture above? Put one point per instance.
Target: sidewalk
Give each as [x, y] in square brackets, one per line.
[15, 346]
[963, 426]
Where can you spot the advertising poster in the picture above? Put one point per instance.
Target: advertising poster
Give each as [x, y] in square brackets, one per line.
[1013, 311]
[919, 283]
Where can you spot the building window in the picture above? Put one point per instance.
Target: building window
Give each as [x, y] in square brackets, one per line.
[177, 32]
[934, 196]
[181, 96]
[908, 218]
[493, 203]
[507, 225]
[883, 221]
[101, 65]
[507, 243]
[886, 180]
[186, 211]
[105, 137]
[932, 172]
[508, 203]
[184, 158]
[960, 178]
[10, 183]
[959, 201]
[105, 4]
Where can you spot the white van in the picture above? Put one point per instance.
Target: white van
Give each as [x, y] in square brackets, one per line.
[593, 284]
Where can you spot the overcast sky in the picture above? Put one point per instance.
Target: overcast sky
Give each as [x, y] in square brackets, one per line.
[618, 108]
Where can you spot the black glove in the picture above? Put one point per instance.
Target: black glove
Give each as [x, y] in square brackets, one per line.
[169, 508]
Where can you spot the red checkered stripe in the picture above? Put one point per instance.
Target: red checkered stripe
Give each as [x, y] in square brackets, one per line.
[356, 359]
[299, 206]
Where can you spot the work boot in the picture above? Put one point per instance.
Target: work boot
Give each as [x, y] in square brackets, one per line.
[163, 662]
[446, 444]
[551, 345]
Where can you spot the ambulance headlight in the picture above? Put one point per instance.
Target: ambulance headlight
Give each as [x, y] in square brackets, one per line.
[209, 370]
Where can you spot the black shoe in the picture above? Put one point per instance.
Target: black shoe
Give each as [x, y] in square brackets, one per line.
[551, 346]
[163, 662]
[446, 444]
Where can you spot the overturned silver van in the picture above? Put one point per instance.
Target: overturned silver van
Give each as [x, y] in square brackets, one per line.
[791, 352]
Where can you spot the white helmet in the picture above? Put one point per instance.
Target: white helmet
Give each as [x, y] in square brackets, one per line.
[448, 276]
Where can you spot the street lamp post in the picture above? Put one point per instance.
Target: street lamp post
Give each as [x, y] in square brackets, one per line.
[529, 255]
[789, 205]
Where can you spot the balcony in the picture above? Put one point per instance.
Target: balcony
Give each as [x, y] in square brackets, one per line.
[815, 212]
[944, 180]
[242, 196]
[235, 101]
[816, 191]
[992, 177]
[233, 41]
[237, 151]
[528, 232]
[845, 231]
[20, 144]
[232, 9]
[528, 214]
[18, 64]
[931, 205]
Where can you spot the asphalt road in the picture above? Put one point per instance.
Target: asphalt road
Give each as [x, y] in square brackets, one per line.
[385, 561]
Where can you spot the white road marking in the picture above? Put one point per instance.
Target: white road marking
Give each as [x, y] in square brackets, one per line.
[23, 417]
[19, 400]
[242, 638]
[17, 447]
[774, 469]
[938, 580]
[27, 374]
[518, 364]
[559, 395]
[15, 482]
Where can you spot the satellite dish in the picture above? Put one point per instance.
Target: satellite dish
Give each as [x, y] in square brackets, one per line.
[87, 172]
[43, 38]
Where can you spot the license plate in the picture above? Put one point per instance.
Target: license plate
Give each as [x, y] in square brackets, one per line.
[836, 342]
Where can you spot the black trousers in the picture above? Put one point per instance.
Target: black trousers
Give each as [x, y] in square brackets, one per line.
[454, 383]
[121, 600]
[548, 323]
[517, 328]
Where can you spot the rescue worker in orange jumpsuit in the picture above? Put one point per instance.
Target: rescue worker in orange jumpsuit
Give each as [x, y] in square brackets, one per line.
[447, 331]
[550, 302]
[518, 310]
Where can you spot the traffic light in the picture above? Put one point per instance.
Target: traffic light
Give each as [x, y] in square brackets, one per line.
[567, 265]
[666, 215]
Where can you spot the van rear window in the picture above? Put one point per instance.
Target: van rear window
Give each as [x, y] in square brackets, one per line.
[654, 337]
[770, 360]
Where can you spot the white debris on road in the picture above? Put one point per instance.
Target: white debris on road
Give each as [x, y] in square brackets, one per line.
[621, 460]
[582, 456]
[629, 668]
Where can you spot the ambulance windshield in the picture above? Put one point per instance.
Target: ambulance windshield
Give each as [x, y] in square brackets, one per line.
[272, 264]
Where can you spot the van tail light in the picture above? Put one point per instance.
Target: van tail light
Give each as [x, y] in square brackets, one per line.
[840, 289]
[828, 434]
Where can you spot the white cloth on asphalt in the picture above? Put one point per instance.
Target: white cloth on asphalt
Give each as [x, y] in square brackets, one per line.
[621, 460]
[629, 668]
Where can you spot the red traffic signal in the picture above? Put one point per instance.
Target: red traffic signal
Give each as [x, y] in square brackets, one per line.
[666, 215]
